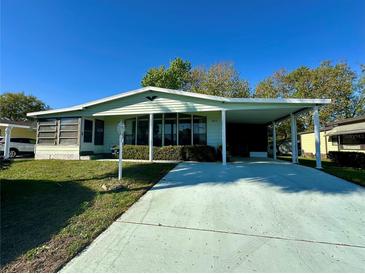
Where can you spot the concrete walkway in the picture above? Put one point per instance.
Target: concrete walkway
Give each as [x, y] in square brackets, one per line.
[262, 216]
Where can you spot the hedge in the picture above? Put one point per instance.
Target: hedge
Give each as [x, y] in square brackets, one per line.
[179, 153]
[348, 159]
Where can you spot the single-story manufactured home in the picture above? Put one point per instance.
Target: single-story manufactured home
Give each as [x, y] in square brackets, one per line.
[164, 117]
[343, 135]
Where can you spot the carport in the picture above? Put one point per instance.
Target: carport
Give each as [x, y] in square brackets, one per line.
[245, 128]
[9, 126]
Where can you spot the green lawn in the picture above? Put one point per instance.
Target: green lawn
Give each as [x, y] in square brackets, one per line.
[355, 175]
[52, 209]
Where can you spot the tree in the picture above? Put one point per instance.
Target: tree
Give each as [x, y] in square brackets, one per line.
[221, 79]
[176, 76]
[337, 82]
[358, 98]
[15, 106]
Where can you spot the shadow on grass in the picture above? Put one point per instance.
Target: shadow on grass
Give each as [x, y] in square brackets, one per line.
[4, 164]
[34, 210]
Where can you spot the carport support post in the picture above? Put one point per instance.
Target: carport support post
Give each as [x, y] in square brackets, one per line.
[274, 140]
[7, 142]
[294, 142]
[150, 135]
[317, 136]
[224, 145]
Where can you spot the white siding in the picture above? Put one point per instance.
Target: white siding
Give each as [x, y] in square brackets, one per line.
[71, 152]
[214, 128]
[159, 105]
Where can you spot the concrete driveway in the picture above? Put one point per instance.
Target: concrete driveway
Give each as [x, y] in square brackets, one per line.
[262, 216]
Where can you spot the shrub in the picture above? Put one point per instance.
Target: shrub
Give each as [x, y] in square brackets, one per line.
[135, 152]
[176, 153]
[199, 153]
[349, 159]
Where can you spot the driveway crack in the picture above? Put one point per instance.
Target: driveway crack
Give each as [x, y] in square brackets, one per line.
[244, 234]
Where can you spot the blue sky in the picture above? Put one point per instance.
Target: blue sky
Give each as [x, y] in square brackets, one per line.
[68, 52]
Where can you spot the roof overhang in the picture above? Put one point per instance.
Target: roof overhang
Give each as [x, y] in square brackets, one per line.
[347, 129]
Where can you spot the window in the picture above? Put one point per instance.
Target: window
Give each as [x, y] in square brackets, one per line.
[63, 131]
[170, 129]
[142, 130]
[200, 130]
[157, 130]
[88, 131]
[69, 130]
[184, 129]
[333, 140]
[130, 131]
[99, 133]
[165, 130]
[47, 132]
[352, 141]
[22, 140]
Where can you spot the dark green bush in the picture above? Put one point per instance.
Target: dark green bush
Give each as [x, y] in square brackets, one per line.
[135, 152]
[179, 153]
[199, 153]
[174, 153]
[349, 159]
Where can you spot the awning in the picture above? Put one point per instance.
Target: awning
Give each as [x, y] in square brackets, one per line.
[347, 129]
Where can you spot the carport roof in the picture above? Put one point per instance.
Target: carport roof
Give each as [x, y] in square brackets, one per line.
[17, 124]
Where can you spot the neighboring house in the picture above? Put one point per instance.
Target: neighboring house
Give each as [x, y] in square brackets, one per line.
[343, 135]
[14, 132]
[161, 117]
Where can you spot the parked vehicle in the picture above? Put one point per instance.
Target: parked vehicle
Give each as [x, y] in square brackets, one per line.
[18, 146]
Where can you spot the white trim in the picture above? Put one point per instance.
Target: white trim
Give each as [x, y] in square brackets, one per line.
[163, 130]
[14, 125]
[192, 129]
[136, 132]
[274, 140]
[294, 139]
[224, 145]
[188, 94]
[177, 129]
[7, 138]
[150, 136]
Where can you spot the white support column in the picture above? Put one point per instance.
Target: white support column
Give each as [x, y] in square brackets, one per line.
[317, 137]
[136, 132]
[274, 140]
[163, 129]
[177, 128]
[192, 129]
[150, 135]
[294, 142]
[224, 145]
[7, 142]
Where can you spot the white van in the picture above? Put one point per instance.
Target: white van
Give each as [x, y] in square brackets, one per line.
[18, 146]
